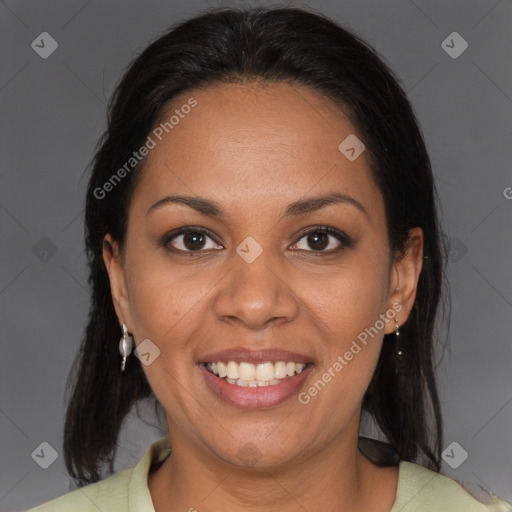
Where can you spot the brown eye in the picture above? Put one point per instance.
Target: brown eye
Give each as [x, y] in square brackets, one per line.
[321, 239]
[318, 240]
[190, 240]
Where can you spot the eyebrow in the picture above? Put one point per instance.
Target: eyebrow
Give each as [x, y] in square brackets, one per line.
[300, 207]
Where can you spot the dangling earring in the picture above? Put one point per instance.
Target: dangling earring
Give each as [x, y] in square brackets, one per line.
[399, 353]
[125, 346]
[397, 333]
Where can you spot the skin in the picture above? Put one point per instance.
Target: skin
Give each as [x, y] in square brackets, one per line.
[255, 148]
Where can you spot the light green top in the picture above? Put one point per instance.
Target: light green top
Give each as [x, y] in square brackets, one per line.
[419, 490]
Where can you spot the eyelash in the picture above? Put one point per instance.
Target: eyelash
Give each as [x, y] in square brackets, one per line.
[345, 241]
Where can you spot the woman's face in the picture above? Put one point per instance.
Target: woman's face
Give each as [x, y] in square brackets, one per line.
[257, 277]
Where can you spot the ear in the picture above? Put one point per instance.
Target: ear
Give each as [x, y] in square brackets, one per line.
[405, 274]
[115, 267]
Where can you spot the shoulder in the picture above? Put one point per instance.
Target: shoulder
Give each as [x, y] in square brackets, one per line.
[422, 490]
[124, 490]
[112, 491]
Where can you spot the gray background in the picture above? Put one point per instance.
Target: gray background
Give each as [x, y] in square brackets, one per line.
[52, 113]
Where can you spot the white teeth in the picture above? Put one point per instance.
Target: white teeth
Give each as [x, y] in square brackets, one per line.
[221, 370]
[280, 368]
[265, 371]
[255, 375]
[246, 371]
[232, 370]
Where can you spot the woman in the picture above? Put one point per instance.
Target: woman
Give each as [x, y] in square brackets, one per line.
[261, 228]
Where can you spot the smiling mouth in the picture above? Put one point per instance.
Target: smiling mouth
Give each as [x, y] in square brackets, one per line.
[251, 375]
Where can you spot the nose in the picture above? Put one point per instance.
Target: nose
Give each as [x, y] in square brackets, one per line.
[256, 294]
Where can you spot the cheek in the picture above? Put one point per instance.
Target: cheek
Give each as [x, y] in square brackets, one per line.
[351, 348]
[167, 306]
[349, 306]
[164, 301]
[348, 300]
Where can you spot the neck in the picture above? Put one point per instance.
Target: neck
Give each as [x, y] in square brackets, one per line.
[194, 479]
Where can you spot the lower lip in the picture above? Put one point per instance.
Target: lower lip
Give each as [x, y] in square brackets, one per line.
[254, 398]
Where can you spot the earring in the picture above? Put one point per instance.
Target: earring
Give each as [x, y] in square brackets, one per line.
[397, 333]
[399, 355]
[125, 346]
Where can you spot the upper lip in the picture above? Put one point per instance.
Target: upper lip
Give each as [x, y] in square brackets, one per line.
[241, 354]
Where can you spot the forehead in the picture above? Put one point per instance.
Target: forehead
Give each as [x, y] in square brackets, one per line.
[254, 144]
